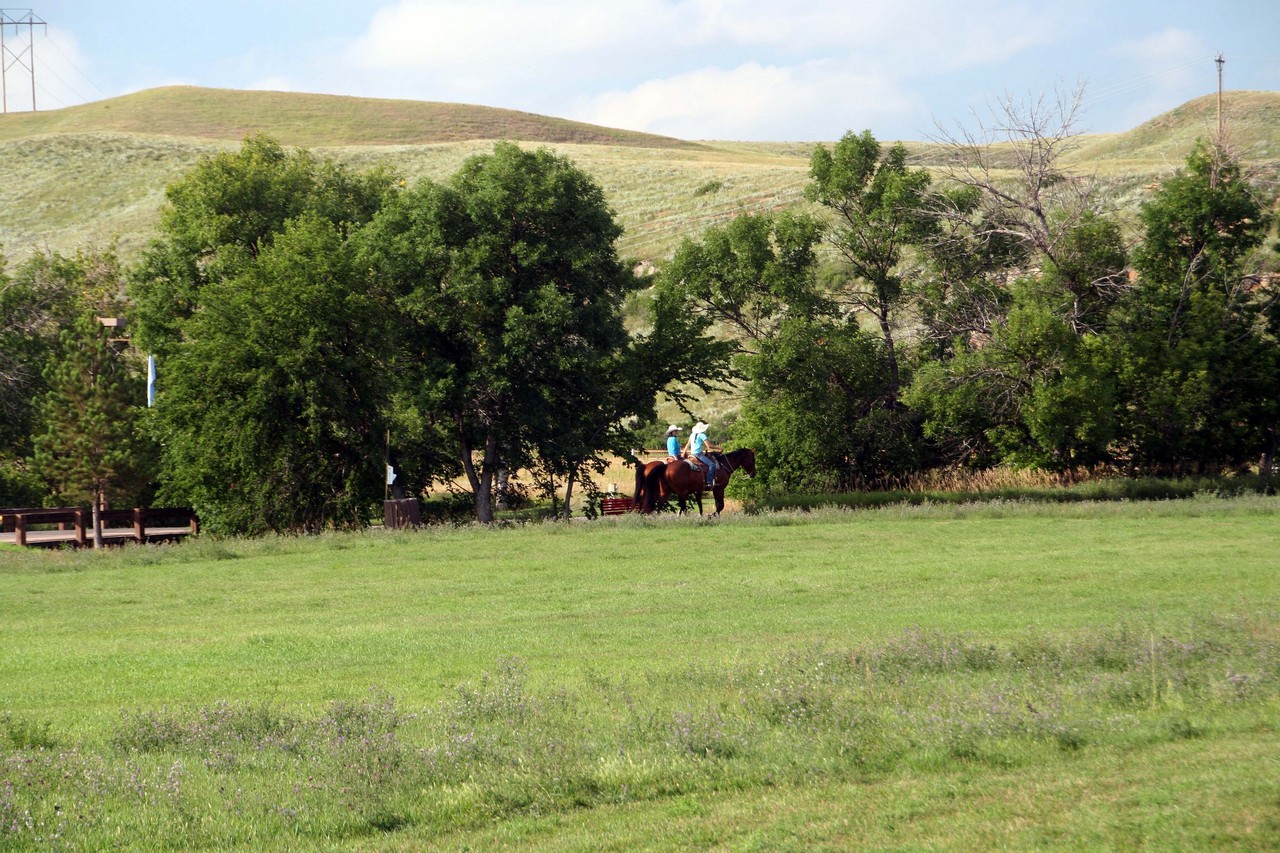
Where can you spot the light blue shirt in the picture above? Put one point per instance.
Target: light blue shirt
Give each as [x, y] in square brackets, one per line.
[673, 446]
[700, 444]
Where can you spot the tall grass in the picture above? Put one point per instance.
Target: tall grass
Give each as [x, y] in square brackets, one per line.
[961, 487]
[497, 749]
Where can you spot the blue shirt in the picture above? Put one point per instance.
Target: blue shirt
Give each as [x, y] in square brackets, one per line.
[699, 442]
[673, 446]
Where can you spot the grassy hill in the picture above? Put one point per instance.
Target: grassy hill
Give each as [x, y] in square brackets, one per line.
[311, 121]
[95, 173]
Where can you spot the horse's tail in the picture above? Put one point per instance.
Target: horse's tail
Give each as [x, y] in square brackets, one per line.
[652, 487]
[638, 498]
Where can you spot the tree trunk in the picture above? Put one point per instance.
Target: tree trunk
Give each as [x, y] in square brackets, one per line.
[484, 495]
[568, 494]
[481, 481]
[504, 483]
[97, 519]
[886, 329]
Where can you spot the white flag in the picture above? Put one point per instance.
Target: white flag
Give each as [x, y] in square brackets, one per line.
[391, 475]
[151, 381]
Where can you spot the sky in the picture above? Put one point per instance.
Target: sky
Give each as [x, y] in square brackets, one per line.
[762, 70]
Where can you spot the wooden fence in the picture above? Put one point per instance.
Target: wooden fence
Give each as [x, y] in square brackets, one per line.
[74, 525]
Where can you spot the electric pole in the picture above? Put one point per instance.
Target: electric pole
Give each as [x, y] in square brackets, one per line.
[1220, 61]
[24, 56]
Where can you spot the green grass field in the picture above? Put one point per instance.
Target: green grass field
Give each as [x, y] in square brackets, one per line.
[1101, 676]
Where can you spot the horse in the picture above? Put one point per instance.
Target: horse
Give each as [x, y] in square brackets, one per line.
[681, 480]
[658, 491]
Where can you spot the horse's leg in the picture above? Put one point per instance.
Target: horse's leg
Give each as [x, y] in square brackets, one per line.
[719, 495]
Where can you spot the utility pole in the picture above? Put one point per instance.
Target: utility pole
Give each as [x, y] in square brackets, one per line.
[1220, 61]
[24, 56]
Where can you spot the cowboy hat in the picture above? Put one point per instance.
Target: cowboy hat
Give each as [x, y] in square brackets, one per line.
[672, 428]
[697, 428]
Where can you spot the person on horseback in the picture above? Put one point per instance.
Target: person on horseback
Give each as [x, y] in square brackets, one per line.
[673, 442]
[698, 447]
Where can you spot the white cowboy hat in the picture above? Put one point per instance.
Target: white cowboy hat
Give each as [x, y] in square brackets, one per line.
[672, 428]
[697, 428]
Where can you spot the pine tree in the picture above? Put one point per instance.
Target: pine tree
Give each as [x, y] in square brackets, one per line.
[90, 450]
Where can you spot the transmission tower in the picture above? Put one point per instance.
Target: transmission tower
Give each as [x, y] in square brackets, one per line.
[24, 55]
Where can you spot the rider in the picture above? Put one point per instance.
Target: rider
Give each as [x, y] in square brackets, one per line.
[673, 442]
[698, 447]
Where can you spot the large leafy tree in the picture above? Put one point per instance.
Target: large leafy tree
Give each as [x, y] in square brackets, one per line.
[271, 401]
[1030, 393]
[749, 274]
[816, 412]
[224, 212]
[271, 409]
[510, 292]
[878, 206]
[1191, 355]
[90, 449]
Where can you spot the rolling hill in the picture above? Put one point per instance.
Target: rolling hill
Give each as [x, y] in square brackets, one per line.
[96, 173]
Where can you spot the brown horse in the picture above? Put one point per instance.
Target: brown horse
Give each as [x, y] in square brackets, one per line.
[682, 481]
[658, 491]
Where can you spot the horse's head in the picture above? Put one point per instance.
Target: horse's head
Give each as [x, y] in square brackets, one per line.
[744, 460]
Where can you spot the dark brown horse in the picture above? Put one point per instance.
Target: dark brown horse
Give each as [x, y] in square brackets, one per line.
[683, 481]
[643, 490]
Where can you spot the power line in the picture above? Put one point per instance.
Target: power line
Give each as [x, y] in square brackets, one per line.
[53, 42]
[25, 56]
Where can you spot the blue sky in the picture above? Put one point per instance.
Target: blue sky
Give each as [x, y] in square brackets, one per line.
[802, 70]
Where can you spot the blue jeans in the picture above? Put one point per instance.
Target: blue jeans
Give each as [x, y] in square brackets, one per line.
[706, 459]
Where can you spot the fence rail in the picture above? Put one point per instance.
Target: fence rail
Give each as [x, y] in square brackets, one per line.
[51, 527]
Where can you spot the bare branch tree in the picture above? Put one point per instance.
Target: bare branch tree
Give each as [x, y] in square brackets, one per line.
[1013, 161]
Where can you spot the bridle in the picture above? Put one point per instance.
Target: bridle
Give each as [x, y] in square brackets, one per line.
[729, 463]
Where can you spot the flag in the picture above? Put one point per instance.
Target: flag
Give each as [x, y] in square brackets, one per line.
[151, 381]
[391, 475]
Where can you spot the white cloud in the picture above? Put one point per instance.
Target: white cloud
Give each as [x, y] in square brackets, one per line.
[693, 68]
[810, 102]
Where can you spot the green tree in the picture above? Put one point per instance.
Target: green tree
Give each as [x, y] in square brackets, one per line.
[1032, 393]
[1195, 367]
[91, 449]
[510, 292]
[224, 212]
[817, 414]
[44, 295]
[879, 207]
[271, 402]
[271, 410]
[749, 274]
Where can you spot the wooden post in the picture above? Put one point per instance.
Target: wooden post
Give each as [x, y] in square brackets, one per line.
[140, 525]
[81, 539]
[20, 530]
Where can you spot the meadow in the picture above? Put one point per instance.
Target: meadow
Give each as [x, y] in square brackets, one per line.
[999, 675]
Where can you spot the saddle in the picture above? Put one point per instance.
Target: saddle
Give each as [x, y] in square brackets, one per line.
[691, 461]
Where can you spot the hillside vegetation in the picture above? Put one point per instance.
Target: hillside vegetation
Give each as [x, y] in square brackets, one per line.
[95, 173]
